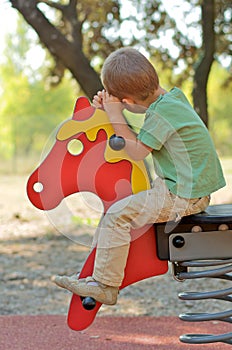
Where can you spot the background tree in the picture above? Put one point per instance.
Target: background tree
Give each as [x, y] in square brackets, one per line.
[80, 34]
[28, 112]
[61, 32]
[192, 54]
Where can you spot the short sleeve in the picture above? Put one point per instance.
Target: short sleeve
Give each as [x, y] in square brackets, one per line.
[155, 131]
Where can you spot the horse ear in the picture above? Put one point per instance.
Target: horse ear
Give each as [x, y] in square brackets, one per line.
[83, 109]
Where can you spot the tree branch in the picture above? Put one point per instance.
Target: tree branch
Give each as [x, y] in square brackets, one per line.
[203, 69]
[69, 53]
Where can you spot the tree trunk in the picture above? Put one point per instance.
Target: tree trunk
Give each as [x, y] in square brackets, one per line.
[203, 69]
[68, 52]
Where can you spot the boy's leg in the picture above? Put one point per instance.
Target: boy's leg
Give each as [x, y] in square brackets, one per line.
[114, 237]
[115, 234]
[132, 213]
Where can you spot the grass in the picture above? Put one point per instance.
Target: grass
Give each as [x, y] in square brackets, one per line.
[85, 221]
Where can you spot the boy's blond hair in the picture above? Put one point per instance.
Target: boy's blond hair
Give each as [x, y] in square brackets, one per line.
[128, 73]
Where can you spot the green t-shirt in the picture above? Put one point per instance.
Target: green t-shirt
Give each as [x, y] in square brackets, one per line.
[183, 152]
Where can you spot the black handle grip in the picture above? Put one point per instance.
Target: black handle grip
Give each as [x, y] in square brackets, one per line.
[117, 142]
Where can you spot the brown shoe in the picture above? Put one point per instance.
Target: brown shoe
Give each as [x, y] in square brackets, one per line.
[100, 292]
[66, 281]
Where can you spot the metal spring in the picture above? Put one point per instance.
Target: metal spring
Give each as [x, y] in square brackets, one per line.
[224, 316]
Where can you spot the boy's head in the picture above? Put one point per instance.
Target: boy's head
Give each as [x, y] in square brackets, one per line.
[128, 73]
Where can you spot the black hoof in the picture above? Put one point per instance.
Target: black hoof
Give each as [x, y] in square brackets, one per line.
[88, 303]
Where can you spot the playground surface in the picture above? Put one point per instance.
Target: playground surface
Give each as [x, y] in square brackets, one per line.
[43, 332]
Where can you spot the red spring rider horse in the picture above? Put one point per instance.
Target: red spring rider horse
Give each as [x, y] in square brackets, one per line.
[101, 166]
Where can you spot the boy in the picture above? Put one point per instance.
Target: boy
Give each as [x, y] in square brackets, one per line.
[184, 158]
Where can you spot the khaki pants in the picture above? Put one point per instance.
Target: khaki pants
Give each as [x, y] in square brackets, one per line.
[129, 218]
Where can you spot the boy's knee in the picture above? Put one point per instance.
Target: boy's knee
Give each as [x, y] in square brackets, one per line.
[113, 220]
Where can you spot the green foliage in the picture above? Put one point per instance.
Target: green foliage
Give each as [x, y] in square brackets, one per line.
[220, 107]
[79, 221]
[29, 111]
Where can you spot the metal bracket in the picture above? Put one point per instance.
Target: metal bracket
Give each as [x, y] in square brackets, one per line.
[200, 245]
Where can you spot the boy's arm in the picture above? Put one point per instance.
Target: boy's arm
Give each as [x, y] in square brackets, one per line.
[134, 147]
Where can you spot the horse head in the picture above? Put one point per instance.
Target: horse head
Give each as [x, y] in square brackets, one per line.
[82, 159]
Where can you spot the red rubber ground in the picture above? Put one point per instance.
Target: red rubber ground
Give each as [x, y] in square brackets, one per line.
[106, 333]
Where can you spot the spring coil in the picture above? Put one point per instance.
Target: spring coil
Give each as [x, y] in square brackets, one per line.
[225, 316]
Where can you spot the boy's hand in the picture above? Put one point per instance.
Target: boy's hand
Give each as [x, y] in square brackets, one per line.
[112, 105]
[97, 101]
[109, 103]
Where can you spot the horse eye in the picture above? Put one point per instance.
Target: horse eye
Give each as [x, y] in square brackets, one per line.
[75, 147]
[38, 187]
